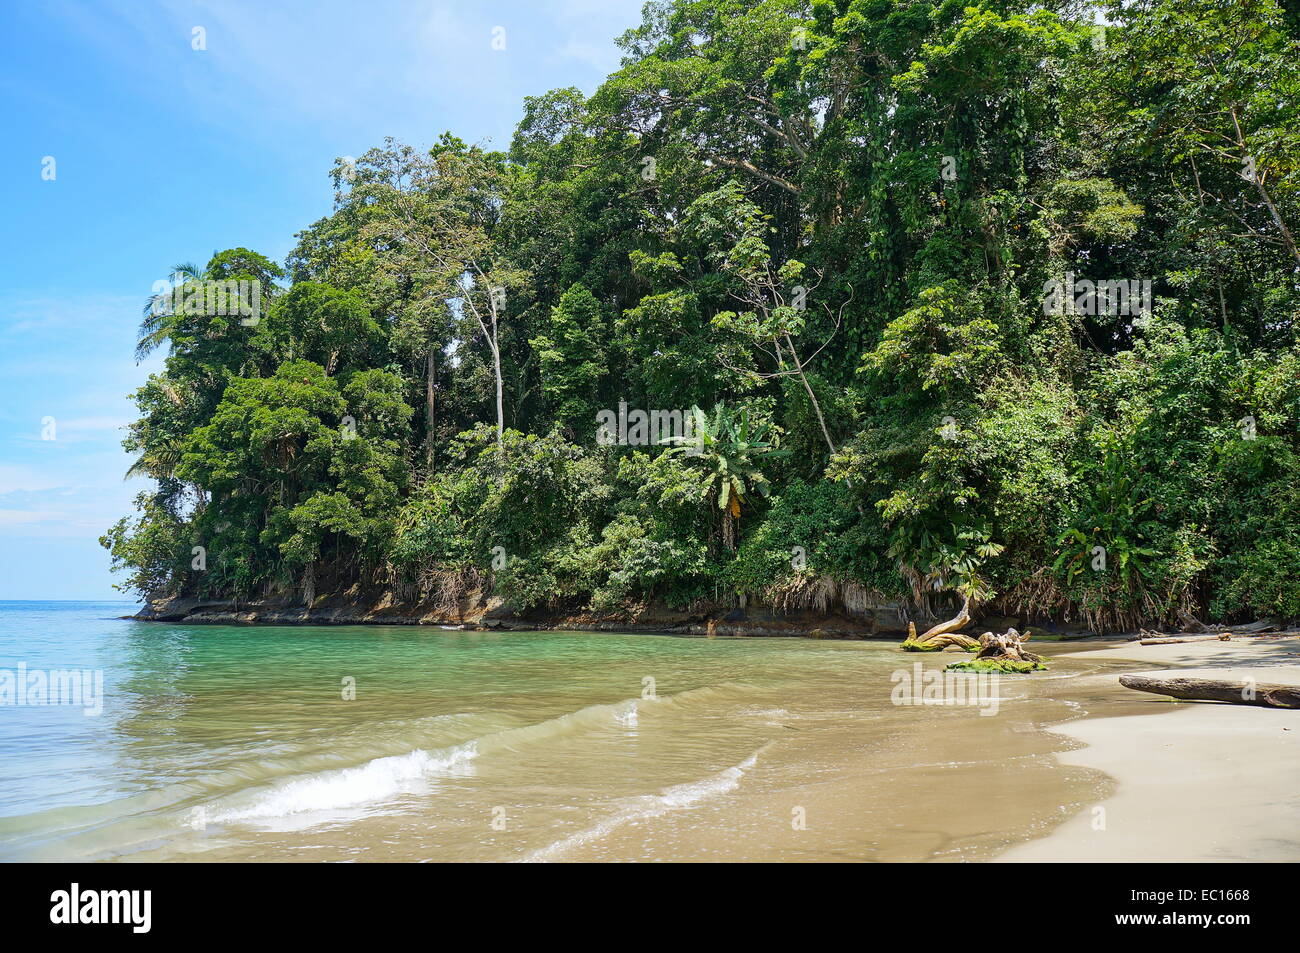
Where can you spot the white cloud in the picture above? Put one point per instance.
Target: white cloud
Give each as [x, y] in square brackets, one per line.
[407, 67]
[16, 517]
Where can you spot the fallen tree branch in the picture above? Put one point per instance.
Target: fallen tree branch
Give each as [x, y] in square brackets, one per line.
[941, 636]
[959, 621]
[1172, 639]
[1263, 625]
[1188, 633]
[1243, 692]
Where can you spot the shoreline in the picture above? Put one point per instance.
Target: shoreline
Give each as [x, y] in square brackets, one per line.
[884, 621]
[491, 613]
[1215, 782]
[1210, 782]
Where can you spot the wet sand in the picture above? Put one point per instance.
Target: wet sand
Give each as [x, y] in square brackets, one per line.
[1206, 781]
[1074, 768]
[922, 784]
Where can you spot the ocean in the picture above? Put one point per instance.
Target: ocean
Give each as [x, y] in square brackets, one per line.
[403, 743]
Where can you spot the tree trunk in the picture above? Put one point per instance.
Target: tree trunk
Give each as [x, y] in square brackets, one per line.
[1158, 639]
[959, 621]
[501, 415]
[1242, 692]
[1009, 646]
[496, 366]
[944, 634]
[430, 371]
[729, 531]
[1263, 192]
[817, 407]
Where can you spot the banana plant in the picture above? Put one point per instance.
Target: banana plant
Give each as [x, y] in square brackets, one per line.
[728, 445]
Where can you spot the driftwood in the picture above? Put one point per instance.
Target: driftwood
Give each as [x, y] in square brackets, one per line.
[993, 647]
[1263, 625]
[1171, 639]
[1242, 692]
[1009, 646]
[944, 634]
[959, 621]
[1222, 633]
[1191, 624]
[1004, 653]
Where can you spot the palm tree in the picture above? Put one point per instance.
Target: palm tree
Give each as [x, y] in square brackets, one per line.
[158, 461]
[163, 320]
[159, 317]
[728, 446]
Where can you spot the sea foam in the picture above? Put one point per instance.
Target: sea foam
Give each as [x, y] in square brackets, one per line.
[673, 798]
[384, 778]
[377, 780]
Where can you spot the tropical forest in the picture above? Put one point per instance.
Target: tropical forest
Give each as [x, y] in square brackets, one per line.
[811, 305]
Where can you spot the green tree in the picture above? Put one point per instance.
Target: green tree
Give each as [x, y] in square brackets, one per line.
[571, 354]
[730, 447]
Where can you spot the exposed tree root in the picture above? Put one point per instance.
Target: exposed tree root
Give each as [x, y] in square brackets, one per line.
[1003, 653]
[1008, 647]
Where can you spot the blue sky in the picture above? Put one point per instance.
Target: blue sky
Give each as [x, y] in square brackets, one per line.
[164, 154]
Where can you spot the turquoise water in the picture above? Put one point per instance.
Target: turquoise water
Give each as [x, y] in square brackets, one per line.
[406, 743]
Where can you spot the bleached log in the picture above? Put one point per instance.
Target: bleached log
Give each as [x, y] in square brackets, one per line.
[1240, 692]
[1173, 640]
[959, 621]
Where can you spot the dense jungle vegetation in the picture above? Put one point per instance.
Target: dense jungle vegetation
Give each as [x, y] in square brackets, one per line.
[830, 227]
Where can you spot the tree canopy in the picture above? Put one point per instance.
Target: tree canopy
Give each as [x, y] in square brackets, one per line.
[984, 296]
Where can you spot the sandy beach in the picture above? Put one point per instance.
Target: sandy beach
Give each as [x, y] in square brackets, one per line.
[1204, 781]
